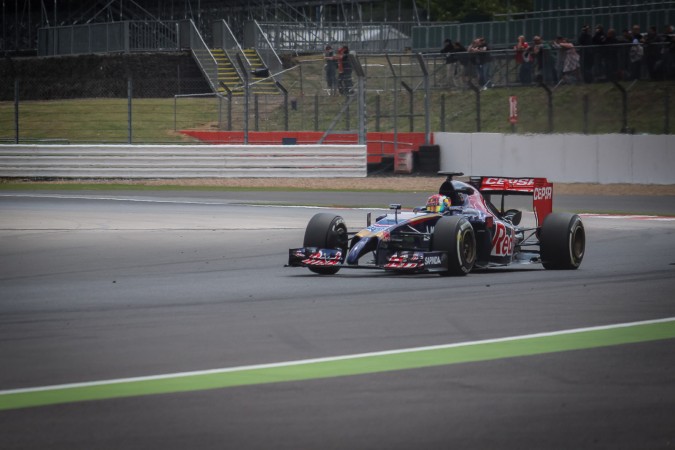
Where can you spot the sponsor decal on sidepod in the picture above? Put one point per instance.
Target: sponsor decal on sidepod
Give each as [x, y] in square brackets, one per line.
[502, 243]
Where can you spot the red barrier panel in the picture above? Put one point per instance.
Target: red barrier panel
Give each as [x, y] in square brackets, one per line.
[379, 145]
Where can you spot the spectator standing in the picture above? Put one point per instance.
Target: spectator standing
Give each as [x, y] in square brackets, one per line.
[636, 53]
[449, 51]
[460, 56]
[611, 50]
[653, 48]
[625, 41]
[544, 63]
[331, 70]
[587, 53]
[344, 71]
[481, 59]
[637, 34]
[523, 60]
[570, 60]
[599, 58]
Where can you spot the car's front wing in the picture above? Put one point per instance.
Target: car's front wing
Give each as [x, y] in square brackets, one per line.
[400, 261]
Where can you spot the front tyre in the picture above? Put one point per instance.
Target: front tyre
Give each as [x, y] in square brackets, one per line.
[455, 236]
[563, 241]
[326, 231]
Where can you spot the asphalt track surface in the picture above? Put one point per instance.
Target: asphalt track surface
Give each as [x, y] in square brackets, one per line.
[105, 286]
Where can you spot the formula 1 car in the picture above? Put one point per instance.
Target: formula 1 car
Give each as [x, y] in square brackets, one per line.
[459, 230]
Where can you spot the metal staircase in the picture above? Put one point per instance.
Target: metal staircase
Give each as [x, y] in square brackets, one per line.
[227, 65]
[228, 76]
[263, 86]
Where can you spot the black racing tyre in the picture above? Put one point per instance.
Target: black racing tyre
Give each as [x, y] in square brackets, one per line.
[326, 231]
[563, 241]
[456, 236]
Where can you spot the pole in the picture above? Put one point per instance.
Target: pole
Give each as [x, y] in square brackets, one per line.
[220, 112]
[129, 94]
[666, 101]
[316, 112]
[244, 72]
[624, 102]
[475, 89]
[16, 110]
[549, 94]
[228, 92]
[586, 111]
[411, 106]
[443, 112]
[361, 92]
[427, 98]
[377, 113]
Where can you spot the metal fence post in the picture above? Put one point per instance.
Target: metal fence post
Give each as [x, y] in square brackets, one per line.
[16, 110]
[220, 112]
[361, 92]
[285, 93]
[443, 112]
[585, 112]
[396, 88]
[624, 103]
[244, 72]
[377, 112]
[316, 112]
[476, 89]
[256, 113]
[549, 94]
[427, 97]
[666, 100]
[129, 94]
[347, 113]
[229, 111]
[411, 106]
[228, 92]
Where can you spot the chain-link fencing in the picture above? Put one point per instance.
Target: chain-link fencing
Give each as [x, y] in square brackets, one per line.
[393, 93]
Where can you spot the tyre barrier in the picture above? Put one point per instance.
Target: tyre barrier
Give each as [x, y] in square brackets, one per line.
[182, 161]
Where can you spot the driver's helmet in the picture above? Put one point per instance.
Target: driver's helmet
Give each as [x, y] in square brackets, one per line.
[438, 203]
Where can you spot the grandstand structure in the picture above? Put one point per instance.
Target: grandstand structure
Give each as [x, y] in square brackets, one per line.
[21, 19]
[229, 40]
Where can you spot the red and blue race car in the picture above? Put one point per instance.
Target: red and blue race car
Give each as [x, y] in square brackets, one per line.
[458, 230]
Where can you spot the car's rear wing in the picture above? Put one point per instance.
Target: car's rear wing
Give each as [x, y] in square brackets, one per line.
[540, 189]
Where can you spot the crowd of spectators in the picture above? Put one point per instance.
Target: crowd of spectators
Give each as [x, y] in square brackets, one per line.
[595, 56]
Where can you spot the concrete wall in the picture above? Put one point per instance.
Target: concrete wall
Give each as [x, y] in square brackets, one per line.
[563, 158]
[182, 161]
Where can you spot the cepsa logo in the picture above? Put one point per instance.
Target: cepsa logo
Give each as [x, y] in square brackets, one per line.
[543, 193]
[502, 242]
[516, 182]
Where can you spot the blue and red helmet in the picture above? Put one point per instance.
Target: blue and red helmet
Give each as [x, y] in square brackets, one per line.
[438, 203]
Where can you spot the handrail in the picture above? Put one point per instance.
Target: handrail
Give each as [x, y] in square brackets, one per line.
[212, 77]
[266, 51]
[230, 44]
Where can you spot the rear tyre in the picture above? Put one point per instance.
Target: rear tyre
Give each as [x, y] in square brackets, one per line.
[455, 236]
[563, 241]
[326, 231]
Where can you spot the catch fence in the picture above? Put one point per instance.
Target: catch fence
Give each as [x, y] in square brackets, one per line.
[394, 93]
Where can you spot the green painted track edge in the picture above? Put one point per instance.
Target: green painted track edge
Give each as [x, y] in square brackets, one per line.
[343, 366]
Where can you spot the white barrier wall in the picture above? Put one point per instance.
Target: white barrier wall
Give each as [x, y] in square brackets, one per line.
[183, 161]
[562, 158]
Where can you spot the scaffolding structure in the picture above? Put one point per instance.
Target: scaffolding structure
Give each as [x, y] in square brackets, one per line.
[21, 19]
